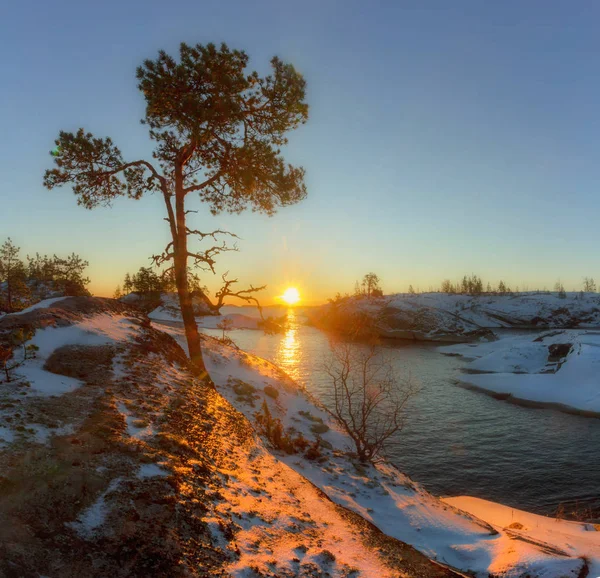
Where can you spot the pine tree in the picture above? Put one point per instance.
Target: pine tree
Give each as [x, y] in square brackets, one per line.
[218, 132]
[447, 286]
[13, 275]
[371, 287]
[127, 284]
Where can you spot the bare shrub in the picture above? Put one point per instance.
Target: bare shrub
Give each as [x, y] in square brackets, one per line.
[273, 430]
[17, 339]
[369, 401]
[226, 324]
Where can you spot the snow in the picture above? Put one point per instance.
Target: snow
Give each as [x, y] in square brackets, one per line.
[497, 311]
[45, 383]
[151, 471]
[292, 524]
[40, 305]
[238, 321]
[246, 317]
[519, 367]
[134, 428]
[455, 318]
[100, 329]
[381, 494]
[31, 380]
[6, 435]
[275, 497]
[94, 516]
[574, 539]
[42, 433]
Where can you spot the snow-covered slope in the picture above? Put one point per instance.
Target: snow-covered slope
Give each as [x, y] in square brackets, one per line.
[570, 538]
[381, 494]
[141, 469]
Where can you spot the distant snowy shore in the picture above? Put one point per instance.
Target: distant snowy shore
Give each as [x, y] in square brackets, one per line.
[445, 317]
[557, 368]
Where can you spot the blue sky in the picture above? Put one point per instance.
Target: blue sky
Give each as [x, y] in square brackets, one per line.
[444, 137]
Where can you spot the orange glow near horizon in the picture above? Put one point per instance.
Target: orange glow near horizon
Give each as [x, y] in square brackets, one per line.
[291, 296]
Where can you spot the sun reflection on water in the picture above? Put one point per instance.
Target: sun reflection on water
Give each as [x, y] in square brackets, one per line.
[288, 352]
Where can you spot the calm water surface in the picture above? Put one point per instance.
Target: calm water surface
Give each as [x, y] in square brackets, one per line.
[460, 442]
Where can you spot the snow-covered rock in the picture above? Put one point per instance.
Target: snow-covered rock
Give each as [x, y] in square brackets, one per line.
[555, 368]
[458, 318]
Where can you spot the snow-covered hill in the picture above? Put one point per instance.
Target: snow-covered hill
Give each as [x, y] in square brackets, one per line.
[445, 317]
[116, 460]
[518, 310]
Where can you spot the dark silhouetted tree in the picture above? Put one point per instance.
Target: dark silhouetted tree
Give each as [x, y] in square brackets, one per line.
[369, 401]
[127, 284]
[218, 130]
[13, 275]
[370, 285]
[589, 285]
[448, 287]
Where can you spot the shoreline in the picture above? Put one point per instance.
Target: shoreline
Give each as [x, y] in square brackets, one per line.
[509, 397]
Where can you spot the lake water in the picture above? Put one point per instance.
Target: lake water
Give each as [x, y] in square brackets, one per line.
[457, 441]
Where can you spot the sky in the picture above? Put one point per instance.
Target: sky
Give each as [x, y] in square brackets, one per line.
[444, 138]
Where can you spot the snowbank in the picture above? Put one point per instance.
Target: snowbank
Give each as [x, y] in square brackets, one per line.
[569, 539]
[103, 329]
[40, 305]
[524, 368]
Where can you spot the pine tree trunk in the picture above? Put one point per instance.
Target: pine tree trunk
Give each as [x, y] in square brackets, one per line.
[187, 313]
[181, 279]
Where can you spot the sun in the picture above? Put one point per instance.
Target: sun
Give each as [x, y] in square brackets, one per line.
[291, 296]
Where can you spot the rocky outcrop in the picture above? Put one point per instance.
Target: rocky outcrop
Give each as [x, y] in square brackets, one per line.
[379, 317]
[456, 318]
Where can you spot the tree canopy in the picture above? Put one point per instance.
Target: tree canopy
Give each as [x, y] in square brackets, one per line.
[218, 130]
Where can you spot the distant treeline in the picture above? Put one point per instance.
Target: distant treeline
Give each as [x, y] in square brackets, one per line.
[473, 285]
[147, 282]
[370, 287]
[25, 282]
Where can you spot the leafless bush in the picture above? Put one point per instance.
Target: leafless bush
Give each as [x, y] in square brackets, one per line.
[369, 400]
